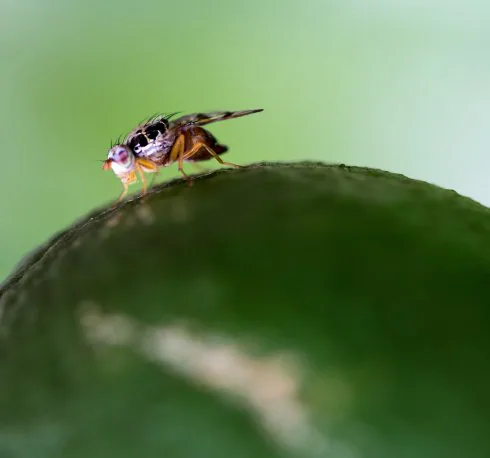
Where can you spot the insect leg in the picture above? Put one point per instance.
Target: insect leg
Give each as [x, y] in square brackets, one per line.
[178, 153]
[142, 176]
[153, 178]
[124, 192]
[210, 150]
[148, 166]
[126, 181]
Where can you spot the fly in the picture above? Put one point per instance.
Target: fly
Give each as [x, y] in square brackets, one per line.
[160, 142]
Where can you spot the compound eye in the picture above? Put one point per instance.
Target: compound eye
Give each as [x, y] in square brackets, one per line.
[121, 155]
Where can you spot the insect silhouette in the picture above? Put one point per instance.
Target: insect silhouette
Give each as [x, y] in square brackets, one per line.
[160, 142]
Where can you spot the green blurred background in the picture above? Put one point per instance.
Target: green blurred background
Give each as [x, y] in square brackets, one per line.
[400, 85]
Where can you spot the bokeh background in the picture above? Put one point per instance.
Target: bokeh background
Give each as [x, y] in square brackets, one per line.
[399, 85]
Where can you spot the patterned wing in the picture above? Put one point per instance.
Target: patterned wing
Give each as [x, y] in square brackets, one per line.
[201, 119]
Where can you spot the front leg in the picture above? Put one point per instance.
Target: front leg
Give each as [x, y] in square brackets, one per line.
[126, 180]
[142, 176]
[124, 192]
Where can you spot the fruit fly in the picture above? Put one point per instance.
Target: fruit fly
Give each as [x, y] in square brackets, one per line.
[159, 142]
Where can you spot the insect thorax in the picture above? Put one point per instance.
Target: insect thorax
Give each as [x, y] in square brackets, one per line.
[152, 140]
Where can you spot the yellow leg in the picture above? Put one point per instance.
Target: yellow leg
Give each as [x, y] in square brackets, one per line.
[181, 165]
[210, 150]
[149, 167]
[153, 178]
[126, 181]
[142, 176]
[177, 153]
[124, 192]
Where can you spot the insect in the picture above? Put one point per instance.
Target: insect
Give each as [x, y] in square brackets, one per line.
[159, 142]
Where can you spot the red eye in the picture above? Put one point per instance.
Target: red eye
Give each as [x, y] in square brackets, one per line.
[122, 156]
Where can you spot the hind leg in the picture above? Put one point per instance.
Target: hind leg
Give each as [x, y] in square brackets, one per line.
[197, 146]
